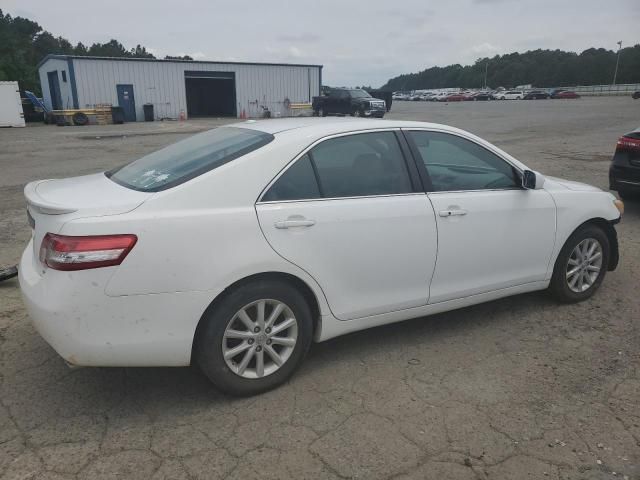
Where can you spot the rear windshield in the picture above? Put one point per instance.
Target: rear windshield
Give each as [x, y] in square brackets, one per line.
[188, 158]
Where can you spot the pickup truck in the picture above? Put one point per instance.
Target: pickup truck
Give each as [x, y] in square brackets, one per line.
[355, 102]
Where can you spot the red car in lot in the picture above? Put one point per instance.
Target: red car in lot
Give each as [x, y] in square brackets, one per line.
[454, 97]
[564, 94]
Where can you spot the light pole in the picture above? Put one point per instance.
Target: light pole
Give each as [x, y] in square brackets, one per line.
[615, 74]
[486, 68]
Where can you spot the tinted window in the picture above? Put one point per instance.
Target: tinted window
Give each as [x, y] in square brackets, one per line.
[360, 165]
[189, 158]
[454, 163]
[296, 183]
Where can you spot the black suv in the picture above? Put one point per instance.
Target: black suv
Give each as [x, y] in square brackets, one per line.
[346, 101]
[624, 173]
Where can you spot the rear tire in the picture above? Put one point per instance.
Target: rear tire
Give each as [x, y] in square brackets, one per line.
[583, 283]
[223, 329]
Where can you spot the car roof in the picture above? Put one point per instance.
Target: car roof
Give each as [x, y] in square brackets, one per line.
[313, 126]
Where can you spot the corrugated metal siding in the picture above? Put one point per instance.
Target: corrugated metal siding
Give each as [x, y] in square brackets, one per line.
[163, 85]
[65, 87]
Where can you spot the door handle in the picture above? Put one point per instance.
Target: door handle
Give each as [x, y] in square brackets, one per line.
[295, 223]
[452, 212]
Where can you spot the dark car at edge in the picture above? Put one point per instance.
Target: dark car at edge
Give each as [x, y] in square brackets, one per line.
[624, 173]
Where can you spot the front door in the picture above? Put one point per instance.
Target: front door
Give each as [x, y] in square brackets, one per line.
[127, 101]
[348, 214]
[492, 233]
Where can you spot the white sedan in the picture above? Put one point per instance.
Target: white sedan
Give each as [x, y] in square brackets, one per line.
[510, 95]
[238, 247]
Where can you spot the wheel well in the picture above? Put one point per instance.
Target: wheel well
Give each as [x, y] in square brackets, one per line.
[612, 236]
[298, 284]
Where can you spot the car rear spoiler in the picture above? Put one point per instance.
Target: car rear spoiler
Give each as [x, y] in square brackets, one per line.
[39, 204]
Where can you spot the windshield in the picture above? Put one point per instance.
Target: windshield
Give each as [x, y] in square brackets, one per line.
[359, 94]
[188, 159]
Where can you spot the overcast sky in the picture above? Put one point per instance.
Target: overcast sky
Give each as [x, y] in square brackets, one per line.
[358, 42]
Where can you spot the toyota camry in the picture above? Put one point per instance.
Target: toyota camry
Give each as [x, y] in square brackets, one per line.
[236, 248]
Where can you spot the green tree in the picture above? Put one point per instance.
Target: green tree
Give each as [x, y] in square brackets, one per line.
[542, 68]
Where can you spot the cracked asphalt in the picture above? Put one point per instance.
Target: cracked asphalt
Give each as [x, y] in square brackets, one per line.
[520, 388]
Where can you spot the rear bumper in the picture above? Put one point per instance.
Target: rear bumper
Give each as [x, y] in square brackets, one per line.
[88, 328]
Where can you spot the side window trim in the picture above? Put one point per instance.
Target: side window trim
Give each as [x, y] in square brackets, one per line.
[422, 169]
[307, 151]
[315, 173]
[417, 160]
[410, 162]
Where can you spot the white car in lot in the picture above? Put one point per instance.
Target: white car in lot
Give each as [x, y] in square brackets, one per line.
[510, 95]
[238, 247]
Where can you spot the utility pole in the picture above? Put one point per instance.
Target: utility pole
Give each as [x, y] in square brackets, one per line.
[615, 74]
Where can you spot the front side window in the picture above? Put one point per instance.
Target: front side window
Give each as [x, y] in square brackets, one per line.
[365, 164]
[454, 163]
[188, 159]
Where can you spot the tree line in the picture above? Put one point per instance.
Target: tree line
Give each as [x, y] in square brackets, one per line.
[23, 43]
[541, 68]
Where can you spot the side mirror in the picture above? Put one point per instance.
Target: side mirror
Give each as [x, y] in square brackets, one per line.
[532, 180]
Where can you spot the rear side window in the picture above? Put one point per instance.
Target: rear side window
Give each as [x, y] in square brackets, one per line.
[357, 165]
[361, 165]
[298, 182]
[188, 159]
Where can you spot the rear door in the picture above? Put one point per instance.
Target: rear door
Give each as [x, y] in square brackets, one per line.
[349, 213]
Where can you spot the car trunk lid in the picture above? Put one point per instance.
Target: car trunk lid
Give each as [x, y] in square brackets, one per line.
[52, 203]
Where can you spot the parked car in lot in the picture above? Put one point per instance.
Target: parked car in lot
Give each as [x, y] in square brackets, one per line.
[236, 248]
[347, 101]
[624, 173]
[453, 97]
[564, 94]
[439, 97]
[635, 95]
[510, 95]
[480, 96]
[536, 95]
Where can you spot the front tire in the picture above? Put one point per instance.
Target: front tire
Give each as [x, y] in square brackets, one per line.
[255, 338]
[581, 265]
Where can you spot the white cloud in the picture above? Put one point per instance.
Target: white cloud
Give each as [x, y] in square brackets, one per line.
[486, 49]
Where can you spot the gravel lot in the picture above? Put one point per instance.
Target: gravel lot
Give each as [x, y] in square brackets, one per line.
[517, 388]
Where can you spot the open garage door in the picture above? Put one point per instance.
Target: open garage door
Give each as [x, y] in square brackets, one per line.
[210, 94]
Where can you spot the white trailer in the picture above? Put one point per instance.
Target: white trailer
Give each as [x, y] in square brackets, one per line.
[11, 114]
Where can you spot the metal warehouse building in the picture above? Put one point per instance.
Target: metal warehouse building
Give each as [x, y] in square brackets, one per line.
[176, 87]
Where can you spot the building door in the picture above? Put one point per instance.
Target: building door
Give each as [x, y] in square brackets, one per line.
[210, 94]
[127, 101]
[54, 90]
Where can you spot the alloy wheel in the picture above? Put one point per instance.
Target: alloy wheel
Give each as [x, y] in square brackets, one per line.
[584, 264]
[259, 338]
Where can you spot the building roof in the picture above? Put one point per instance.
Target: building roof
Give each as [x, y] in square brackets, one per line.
[135, 59]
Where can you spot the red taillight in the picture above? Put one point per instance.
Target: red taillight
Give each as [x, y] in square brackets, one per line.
[628, 143]
[62, 252]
